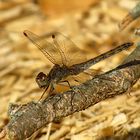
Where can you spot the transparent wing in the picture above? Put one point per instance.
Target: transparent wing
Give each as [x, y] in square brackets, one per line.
[69, 52]
[58, 48]
[47, 47]
[82, 77]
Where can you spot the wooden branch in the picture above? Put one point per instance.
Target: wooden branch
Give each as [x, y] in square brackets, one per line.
[28, 118]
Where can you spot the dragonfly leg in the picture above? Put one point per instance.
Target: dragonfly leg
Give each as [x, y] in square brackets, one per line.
[43, 94]
[71, 89]
[73, 93]
[51, 89]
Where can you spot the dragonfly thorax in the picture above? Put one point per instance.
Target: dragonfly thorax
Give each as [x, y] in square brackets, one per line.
[57, 73]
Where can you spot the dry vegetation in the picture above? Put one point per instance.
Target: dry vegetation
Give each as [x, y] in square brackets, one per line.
[93, 26]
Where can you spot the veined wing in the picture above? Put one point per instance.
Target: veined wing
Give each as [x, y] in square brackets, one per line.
[50, 50]
[58, 48]
[69, 52]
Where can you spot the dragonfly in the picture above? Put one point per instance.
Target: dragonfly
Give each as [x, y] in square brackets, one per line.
[55, 50]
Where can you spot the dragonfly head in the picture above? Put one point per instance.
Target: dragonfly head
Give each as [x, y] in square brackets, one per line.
[42, 80]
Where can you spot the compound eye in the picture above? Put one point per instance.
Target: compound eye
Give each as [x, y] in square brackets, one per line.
[41, 77]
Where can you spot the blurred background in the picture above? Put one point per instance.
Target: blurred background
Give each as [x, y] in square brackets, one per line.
[93, 26]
